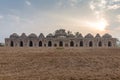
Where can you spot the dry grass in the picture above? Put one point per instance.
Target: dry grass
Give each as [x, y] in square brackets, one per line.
[59, 64]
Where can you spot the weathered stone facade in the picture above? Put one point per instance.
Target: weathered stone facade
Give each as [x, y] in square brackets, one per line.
[61, 38]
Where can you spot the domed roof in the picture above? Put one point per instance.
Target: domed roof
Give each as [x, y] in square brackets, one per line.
[41, 35]
[49, 35]
[97, 36]
[14, 35]
[32, 35]
[107, 36]
[23, 35]
[89, 36]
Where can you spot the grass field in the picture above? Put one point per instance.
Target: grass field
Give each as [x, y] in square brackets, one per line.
[59, 64]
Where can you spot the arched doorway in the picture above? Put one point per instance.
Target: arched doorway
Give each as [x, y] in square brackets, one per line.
[12, 44]
[90, 44]
[49, 44]
[31, 44]
[100, 44]
[81, 43]
[109, 44]
[40, 44]
[60, 44]
[71, 44]
[21, 43]
[55, 45]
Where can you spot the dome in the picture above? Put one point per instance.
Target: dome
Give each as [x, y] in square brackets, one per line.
[97, 36]
[41, 35]
[23, 35]
[14, 35]
[89, 36]
[107, 36]
[32, 35]
[49, 36]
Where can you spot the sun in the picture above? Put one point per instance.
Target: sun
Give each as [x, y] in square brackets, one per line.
[100, 24]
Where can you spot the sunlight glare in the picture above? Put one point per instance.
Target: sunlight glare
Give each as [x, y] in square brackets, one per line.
[99, 25]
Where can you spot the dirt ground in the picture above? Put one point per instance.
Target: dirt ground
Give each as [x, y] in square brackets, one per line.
[59, 63]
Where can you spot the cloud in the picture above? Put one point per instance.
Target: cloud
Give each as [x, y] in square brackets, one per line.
[104, 4]
[102, 8]
[114, 6]
[28, 3]
[15, 18]
[1, 17]
[68, 3]
[73, 3]
[118, 17]
[98, 7]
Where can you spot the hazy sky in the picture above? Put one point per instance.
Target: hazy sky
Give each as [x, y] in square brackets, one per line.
[45, 16]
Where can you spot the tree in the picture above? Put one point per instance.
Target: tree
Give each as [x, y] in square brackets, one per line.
[69, 32]
[77, 33]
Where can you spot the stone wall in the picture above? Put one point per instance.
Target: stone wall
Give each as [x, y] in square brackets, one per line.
[61, 40]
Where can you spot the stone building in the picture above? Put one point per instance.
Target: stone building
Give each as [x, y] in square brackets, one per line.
[60, 38]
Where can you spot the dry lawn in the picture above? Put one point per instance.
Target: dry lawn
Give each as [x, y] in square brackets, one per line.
[59, 64]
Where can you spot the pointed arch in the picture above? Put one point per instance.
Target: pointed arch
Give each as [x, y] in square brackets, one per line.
[81, 43]
[100, 44]
[71, 44]
[21, 43]
[90, 44]
[40, 43]
[109, 44]
[12, 44]
[60, 44]
[49, 44]
[30, 43]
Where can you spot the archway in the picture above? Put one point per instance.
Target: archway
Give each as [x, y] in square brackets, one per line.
[31, 44]
[49, 44]
[81, 43]
[109, 44]
[12, 44]
[71, 44]
[21, 43]
[60, 44]
[55, 45]
[40, 44]
[90, 44]
[100, 44]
